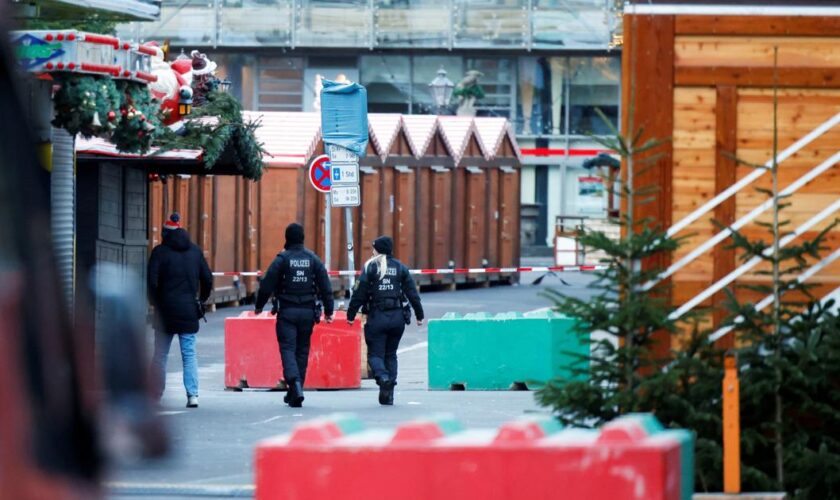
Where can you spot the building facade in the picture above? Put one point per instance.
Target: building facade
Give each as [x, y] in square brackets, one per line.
[546, 65]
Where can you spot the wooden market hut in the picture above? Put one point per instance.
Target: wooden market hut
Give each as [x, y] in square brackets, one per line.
[704, 76]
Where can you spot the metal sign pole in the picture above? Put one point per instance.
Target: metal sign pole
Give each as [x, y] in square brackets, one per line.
[351, 261]
[328, 233]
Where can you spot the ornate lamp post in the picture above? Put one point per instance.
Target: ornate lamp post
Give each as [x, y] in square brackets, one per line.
[441, 88]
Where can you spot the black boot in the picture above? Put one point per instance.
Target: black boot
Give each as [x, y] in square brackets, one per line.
[295, 396]
[391, 385]
[384, 390]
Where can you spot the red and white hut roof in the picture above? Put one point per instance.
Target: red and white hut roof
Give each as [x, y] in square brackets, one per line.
[492, 131]
[290, 138]
[457, 131]
[384, 128]
[419, 130]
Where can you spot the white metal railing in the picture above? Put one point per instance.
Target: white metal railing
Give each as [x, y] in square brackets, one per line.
[743, 221]
[723, 234]
[755, 174]
[766, 301]
[735, 274]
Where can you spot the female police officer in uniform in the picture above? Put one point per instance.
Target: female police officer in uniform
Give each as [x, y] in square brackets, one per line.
[380, 292]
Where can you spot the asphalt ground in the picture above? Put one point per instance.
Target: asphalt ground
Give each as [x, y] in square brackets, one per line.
[212, 447]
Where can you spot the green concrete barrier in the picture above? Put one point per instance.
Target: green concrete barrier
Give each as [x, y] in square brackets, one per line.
[480, 351]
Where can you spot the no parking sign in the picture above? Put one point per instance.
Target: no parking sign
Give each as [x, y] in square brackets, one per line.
[319, 173]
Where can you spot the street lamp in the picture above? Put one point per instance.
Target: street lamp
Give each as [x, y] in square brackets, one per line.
[441, 88]
[224, 85]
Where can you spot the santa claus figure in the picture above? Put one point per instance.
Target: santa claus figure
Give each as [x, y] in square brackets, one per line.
[204, 77]
[173, 85]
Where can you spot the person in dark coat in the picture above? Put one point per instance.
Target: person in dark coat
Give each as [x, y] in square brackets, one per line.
[297, 279]
[177, 273]
[382, 291]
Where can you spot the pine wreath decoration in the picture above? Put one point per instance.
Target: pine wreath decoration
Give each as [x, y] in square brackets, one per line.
[82, 102]
[137, 123]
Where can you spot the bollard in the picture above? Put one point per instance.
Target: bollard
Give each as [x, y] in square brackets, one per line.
[731, 426]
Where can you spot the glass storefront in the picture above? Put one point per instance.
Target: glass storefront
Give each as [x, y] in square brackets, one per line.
[541, 96]
[388, 82]
[433, 24]
[424, 69]
[594, 85]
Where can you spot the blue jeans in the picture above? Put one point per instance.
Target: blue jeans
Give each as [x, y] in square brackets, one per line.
[162, 343]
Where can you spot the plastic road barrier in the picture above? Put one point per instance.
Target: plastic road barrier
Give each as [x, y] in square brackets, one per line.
[509, 350]
[631, 457]
[252, 356]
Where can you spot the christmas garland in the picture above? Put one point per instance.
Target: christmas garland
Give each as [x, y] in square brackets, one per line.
[229, 135]
[124, 112]
[120, 110]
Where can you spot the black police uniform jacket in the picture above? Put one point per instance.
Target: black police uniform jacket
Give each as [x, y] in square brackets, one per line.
[297, 277]
[387, 293]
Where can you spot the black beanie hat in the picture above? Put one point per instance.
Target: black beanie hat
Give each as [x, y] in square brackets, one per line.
[384, 245]
[294, 234]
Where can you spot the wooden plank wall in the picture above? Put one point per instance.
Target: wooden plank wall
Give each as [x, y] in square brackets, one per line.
[721, 72]
[647, 75]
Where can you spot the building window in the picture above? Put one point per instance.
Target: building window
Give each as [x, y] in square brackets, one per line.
[541, 96]
[279, 83]
[497, 81]
[424, 69]
[594, 84]
[388, 83]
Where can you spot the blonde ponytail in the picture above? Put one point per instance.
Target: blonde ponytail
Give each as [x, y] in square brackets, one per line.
[381, 260]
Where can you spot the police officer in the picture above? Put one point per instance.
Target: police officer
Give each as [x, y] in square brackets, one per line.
[297, 279]
[380, 292]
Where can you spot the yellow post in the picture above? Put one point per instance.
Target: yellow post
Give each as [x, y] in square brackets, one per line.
[731, 427]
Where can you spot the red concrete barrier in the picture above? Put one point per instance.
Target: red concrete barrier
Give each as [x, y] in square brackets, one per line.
[530, 458]
[252, 357]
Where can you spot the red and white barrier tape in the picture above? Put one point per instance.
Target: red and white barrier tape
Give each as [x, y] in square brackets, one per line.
[475, 270]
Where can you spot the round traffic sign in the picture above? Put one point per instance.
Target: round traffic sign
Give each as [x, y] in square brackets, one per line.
[319, 173]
